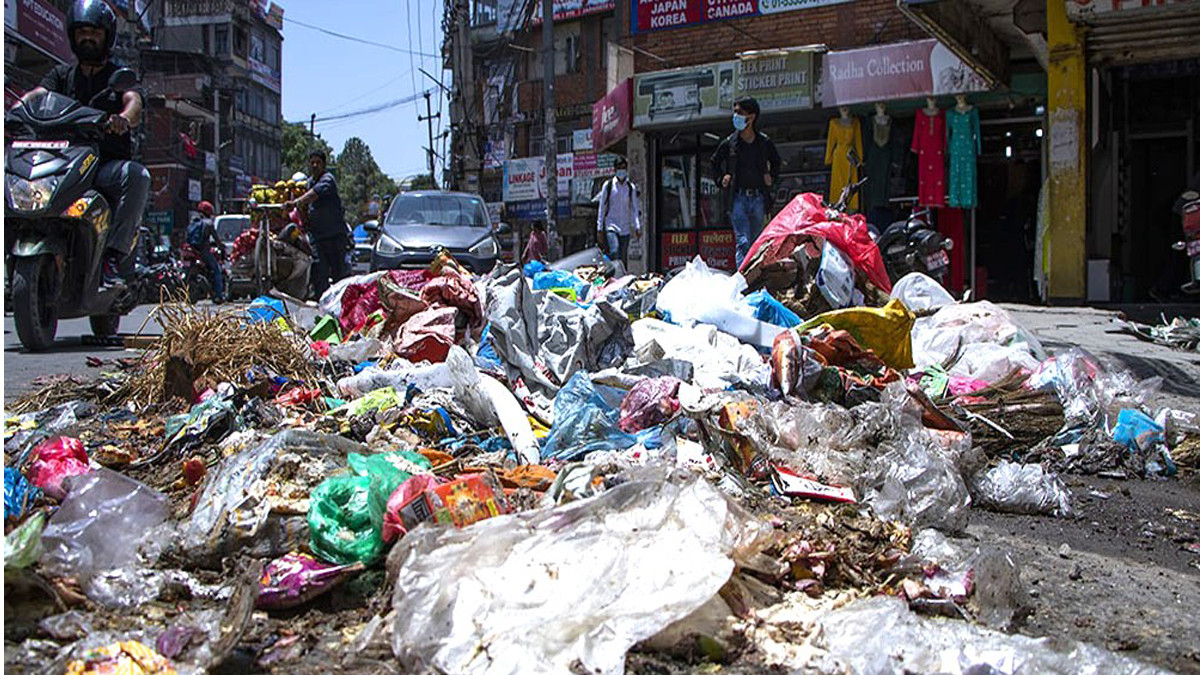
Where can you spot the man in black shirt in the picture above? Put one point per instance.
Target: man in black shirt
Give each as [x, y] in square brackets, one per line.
[92, 30]
[747, 163]
[326, 225]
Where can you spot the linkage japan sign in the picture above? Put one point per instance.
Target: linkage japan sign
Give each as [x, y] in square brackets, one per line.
[652, 15]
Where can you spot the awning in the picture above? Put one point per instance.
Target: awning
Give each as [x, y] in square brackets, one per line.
[1119, 35]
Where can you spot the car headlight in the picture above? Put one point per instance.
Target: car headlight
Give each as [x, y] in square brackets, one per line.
[388, 246]
[31, 195]
[485, 248]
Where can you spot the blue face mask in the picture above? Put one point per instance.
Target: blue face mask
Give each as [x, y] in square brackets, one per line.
[739, 122]
[622, 174]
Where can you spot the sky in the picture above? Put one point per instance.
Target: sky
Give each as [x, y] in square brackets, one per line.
[333, 76]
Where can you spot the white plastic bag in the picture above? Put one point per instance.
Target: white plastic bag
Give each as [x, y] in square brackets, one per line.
[698, 289]
[920, 292]
[835, 277]
[1021, 488]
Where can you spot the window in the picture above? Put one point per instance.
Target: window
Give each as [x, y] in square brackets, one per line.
[221, 41]
[567, 53]
[570, 55]
[436, 209]
[239, 41]
[483, 12]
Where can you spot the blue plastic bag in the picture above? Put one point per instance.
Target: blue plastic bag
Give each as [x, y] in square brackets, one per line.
[486, 356]
[19, 494]
[584, 422]
[265, 309]
[770, 310]
[1137, 431]
[533, 267]
[561, 279]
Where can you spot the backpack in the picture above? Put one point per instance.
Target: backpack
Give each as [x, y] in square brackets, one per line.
[196, 232]
[607, 191]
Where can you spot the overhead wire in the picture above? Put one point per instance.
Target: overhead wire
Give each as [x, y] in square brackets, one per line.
[352, 38]
[363, 95]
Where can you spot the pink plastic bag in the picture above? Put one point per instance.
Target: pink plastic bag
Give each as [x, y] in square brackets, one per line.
[427, 336]
[396, 521]
[297, 578]
[54, 460]
[649, 403]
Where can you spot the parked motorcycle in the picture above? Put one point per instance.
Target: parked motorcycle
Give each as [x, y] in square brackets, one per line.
[1190, 210]
[912, 245]
[55, 219]
[157, 282]
[197, 276]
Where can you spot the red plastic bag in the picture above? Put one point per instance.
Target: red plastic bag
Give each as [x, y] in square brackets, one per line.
[404, 510]
[427, 336]
[649, 403]
[298, 397]
[805, 217]
[54, 460]
[320, 348]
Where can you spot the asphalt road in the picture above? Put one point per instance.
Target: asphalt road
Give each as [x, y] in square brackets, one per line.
[69, 355]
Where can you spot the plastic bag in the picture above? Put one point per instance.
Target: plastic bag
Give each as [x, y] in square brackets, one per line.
[389, 469]
[512, 418]
[1137, 431]
[941, 338]
[107, 523]
[533, 267]
[19, 494]
[916, 484]
[678, 297]
[649, 403]
[55, 459]
[835, 277]
[23, 546]
[331, 299]
[345, 519]
[767, 308]
[123, 658]
[375, 401]
[1021, 488]
[400, 517]
[583, 423]
[569, 588]
[991, 363]
[921, 293]
[886, 331]
[552, 279]
[356, 351]
[265, 309]
[296, 578]
[718, 360]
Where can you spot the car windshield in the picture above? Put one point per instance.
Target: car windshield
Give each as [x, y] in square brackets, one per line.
[229, 227]
[438, 209]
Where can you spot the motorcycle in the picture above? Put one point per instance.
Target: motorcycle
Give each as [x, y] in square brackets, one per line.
[56, 220]
[912, 245]
[1190, 210]
[197, 277]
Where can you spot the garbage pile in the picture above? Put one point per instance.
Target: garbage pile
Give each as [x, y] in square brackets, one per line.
[549, 470]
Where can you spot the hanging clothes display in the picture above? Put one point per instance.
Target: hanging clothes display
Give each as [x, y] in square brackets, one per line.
[929, 142]
[962, 139]
[879, 164]
[843, 138]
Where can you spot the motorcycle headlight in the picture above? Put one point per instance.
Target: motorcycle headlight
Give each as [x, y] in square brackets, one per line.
[388, 246]
[31, 195]
[486, 248]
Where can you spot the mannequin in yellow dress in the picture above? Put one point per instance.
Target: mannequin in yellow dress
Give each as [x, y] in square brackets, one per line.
[845, 134]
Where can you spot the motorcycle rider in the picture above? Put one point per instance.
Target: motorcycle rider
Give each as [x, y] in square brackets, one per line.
[202, 236]
[91, 32]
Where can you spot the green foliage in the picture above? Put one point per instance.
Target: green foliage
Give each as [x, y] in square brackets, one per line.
[360, 178]
[296, 148]
[422, 181]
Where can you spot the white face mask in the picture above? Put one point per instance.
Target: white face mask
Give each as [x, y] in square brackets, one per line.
[739, 121]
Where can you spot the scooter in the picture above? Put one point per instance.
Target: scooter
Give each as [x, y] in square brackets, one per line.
[56, 220]
[911, 245]
[1190, 210]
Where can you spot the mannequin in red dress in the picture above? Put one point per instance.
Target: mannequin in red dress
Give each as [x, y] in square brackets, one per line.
[929, 142]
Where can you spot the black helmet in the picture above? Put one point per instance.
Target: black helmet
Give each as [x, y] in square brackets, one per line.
[94, 13]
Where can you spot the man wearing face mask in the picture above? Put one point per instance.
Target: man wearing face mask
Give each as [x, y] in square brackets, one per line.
[746, 163]
[91, 31]
[619, 216]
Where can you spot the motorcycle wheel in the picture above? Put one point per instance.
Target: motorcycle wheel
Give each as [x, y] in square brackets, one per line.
[35, 307]
[198, 286]
[105, 325]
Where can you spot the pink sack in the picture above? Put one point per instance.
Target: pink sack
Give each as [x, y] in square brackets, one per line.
[54, 460]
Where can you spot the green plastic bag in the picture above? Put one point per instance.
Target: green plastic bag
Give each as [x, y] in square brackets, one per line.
[390, 469]
[345, 519]
[380, 399]
[327, 329]
[23, 546]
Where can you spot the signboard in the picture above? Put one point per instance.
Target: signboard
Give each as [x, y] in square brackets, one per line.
[210, 161]
[652, 15]
[581, 139]
[900, 70]
[535, 209]
[565, 10]
[777, 79]
[525, 178]
[44, 27]
[612, 116]
[264, 75]
[194, 191]
[677, 248]
[683, 94]
[10, 14]
[495, 212]
[162, 221]
[718, 248]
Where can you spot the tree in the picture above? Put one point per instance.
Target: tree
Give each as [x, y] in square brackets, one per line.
[422, 181]
[296, 147]
[360, 179]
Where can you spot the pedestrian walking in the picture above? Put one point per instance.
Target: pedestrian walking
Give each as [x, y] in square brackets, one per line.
[747, 164]
[538, 246]
[619, 218]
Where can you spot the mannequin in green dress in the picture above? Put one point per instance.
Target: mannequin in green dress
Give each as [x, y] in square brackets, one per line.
[963, 141]
[879, 159]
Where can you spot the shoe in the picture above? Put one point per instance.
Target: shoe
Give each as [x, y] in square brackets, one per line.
[110, 273]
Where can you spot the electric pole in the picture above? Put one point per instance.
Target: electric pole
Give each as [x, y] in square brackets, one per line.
[429, 118]
[217, 148]
[312, 132]
[550, 138]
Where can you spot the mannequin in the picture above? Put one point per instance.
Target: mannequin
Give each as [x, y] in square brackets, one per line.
[879, 160]
[964, 143]
[844, 136]
[929, 142]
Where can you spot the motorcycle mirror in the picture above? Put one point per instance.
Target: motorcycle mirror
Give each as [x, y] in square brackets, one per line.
[503, 228]
[122, 80]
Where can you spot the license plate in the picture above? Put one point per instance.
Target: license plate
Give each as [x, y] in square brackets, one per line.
[40, 145]
[936, 260]
[1193, 248]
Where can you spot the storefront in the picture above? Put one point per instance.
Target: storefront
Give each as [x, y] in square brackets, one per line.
[35, 40]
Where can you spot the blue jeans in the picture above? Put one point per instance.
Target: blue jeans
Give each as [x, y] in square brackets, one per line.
[214, 266]
[618, 246]
[747, 218]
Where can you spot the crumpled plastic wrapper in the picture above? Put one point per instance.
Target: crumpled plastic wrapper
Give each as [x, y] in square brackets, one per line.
[565, 589]
[1021, 488]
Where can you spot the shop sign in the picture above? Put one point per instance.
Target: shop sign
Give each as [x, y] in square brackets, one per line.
[1084, 10]
[581, 139]
[162, 221]
[677, 248]
[778, 79]
[592, 165]
[718, 248]
[10, 14]
[611, 116]
[900, 70]
[495, 212]
[264, 75]
[565, 10]
[652, 15]
[210, 161]
[525, 177]
[44, 27]
[535, 209]
[194, 191]
[683, 94]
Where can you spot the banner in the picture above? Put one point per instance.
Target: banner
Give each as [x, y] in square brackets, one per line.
[44, 27]
[777, 79]
[683, 94]
[652, 15]
[718, 248]
[1087, 10]
[525, 178]
[581, 140]
[612, 116]
[677, 248]
[900, 70]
